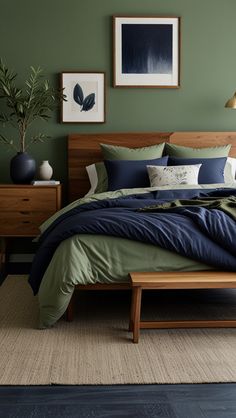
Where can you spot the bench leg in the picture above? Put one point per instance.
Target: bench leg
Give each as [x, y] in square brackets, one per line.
[70, 310]
[131, 320]
[137, 296]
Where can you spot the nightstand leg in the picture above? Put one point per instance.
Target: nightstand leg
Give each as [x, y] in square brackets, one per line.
[3, 259]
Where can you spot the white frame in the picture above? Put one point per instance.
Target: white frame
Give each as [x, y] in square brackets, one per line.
[146, 80]
[70, 111]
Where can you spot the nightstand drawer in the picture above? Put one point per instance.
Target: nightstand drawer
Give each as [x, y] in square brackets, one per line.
[22, 223]
[28, 199]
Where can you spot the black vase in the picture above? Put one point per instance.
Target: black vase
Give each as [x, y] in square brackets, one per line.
[22, 168]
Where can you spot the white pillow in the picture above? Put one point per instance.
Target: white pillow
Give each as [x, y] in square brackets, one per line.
[169, 175]
[230, 170]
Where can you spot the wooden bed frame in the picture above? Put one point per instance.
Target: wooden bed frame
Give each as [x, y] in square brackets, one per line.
[84, 149]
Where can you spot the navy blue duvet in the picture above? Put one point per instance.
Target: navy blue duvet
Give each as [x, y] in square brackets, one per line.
[206, 235]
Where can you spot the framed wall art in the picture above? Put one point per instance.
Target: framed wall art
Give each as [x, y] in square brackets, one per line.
[146, 51]
[85, 97]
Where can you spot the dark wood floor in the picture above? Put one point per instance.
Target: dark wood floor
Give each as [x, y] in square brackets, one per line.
[137, 401]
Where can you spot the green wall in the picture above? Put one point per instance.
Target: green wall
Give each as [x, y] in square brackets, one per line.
[75, 35]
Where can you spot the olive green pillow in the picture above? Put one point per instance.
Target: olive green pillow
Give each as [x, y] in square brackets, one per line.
[97, 174]
[102, 184]
[186, 152]
[113, 152]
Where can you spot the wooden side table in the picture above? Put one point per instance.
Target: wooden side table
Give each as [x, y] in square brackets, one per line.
[177, 280]
[23, 208]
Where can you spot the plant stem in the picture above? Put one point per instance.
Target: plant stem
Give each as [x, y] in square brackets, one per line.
[23, 142]
[22, 131]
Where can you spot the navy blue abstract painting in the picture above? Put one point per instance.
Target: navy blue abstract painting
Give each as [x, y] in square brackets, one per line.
[147, 48]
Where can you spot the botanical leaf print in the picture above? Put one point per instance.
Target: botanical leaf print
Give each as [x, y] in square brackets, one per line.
[89, 102]
[78, 96]
[170, 175]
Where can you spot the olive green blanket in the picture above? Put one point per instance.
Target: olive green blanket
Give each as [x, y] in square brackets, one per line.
[225, 204]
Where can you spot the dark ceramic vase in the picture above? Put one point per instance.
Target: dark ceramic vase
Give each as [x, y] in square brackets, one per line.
[22, 168]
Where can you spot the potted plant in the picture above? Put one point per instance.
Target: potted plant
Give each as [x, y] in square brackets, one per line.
[22, 107]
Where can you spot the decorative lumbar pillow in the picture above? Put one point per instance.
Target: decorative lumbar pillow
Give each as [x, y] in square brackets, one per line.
[211, 171]
[171, 175]
[187, 152]
[230, 170]
[129, 174]
[113, 152]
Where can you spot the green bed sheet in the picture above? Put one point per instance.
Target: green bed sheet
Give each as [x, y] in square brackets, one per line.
[86, 259]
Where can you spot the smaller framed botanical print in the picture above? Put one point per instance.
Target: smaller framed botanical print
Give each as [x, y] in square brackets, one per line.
[85, 97]
[146, 51]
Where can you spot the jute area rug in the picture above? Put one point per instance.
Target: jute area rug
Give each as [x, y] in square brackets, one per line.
[96, 348]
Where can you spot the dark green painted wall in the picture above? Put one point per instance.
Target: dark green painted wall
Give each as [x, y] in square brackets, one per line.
[76, 35]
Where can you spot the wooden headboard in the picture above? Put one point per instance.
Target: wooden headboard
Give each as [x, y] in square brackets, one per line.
[84, 149]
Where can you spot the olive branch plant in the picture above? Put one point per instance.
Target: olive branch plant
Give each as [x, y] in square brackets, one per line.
[23, 106]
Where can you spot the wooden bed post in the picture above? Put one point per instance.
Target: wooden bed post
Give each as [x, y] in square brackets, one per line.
[69, 314]
[70, 310]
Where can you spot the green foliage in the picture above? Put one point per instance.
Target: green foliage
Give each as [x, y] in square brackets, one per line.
[23, 106]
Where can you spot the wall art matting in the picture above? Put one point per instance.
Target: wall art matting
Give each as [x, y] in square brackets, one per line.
[146, 51]
[85, 97]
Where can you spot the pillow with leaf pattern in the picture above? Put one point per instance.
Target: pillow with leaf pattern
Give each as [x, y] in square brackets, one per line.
[171, 175]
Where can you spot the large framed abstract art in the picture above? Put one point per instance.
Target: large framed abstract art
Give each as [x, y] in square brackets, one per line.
[85, 97]
[146, 51]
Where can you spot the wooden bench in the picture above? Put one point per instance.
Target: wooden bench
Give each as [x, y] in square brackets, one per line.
[177, 280]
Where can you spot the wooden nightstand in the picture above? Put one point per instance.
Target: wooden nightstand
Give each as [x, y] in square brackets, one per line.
[23, 208]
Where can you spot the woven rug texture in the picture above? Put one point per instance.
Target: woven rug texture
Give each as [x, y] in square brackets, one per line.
[96, 347]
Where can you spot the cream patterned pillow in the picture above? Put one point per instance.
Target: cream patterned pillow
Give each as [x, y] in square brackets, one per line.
[230, 170]
[170, 175]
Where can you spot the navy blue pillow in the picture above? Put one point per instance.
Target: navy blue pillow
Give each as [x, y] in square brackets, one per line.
[128, 174]
[211, 171]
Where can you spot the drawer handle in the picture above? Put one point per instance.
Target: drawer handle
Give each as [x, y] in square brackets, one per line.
[25, 200]
[24, 212]
[26, 222]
